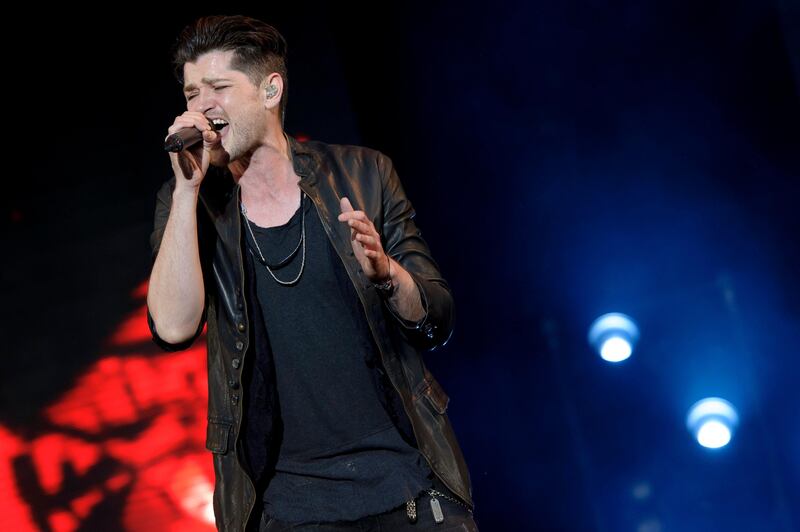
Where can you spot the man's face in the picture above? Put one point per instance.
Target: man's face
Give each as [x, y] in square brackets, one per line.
[214, 89]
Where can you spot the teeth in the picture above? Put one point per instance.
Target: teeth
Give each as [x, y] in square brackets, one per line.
[219, 123]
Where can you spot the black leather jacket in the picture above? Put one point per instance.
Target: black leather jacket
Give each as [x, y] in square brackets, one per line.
[327, 172]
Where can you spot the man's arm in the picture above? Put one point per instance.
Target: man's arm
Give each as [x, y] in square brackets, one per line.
[379, 267]
[176, 292]
[422, 302]
[405, 301]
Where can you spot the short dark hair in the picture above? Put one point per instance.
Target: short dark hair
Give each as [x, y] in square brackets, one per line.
[259, 49]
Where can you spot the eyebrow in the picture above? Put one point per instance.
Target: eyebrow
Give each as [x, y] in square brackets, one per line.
[204, 81]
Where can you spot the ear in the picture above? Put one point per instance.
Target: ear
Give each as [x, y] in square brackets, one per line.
[272, 96]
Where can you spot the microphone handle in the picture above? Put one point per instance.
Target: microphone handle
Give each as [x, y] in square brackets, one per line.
[186, 137]
[182, 139]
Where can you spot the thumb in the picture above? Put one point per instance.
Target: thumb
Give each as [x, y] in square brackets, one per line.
[211, 142]
[210, 138]
[344, 203]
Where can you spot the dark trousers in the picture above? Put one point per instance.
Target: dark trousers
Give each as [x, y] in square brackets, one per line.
[456, 518]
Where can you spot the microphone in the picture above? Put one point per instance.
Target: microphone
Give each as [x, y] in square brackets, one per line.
[186, 137]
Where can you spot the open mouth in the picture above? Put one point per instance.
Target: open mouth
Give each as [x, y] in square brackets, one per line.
[219, 125]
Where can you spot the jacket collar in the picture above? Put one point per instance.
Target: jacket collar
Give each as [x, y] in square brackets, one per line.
[304, 159]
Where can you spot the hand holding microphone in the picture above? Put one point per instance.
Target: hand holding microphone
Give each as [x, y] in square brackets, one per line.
[186, 137]
[187, 131]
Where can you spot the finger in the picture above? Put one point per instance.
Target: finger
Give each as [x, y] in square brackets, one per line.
[194, 114]
[344, 203]
[200, 122]
[367, 240]
[179, 124]
[357, 215]
[210, 139]
[208, 147]
[197, 118]
[359, 226]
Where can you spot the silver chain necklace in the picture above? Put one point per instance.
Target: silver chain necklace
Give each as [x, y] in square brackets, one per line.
[299, 244]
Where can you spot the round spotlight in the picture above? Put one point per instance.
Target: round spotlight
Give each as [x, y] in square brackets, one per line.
[712, 421]
[616, 349]
[614, 336]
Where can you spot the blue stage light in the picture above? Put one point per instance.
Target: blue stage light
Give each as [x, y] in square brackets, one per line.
[712, 421]
[614, 336]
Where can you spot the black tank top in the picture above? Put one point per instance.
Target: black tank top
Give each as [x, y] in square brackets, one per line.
[341, 457]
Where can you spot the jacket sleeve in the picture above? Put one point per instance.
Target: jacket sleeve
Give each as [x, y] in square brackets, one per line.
[403, 242]
[163, 204]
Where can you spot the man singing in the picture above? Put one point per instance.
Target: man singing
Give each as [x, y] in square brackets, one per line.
[319, 296]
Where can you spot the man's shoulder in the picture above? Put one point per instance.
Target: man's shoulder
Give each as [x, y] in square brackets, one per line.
[345, 153]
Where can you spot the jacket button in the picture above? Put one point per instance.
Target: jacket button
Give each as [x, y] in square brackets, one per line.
[238, 291]
[240, 327]
[233, 383]
[240, 305]
[235, 399]
[235, 363]
[239, 345]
